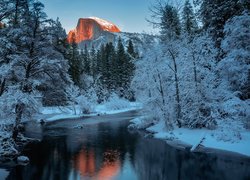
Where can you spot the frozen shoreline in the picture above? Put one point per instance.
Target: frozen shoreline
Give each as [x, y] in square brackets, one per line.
[218, 139]
[59, 113]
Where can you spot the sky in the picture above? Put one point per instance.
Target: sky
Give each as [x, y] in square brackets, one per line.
[128, 15]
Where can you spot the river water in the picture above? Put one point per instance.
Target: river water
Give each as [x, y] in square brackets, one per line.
[85, 149]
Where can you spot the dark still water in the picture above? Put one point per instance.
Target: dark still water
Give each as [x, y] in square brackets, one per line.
[108, 151]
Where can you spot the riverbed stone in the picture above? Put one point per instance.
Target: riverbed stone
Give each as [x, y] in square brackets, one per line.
[23, 159]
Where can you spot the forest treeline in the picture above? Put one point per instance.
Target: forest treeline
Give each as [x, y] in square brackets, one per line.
[195, 74]
[199, 74]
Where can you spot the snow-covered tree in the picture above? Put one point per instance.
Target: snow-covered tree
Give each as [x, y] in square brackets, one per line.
[234, 70]
[170, 23]
[6, 9]
[131, 50]
[153, 85]
[215, 13]
[197, 82]
[76, 66]
[176, 82]
[32, 67]
[235, 67]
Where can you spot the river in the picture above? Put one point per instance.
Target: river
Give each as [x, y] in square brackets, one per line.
[103, 148]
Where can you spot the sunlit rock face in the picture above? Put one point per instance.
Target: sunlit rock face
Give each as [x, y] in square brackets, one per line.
[90, 29]
[1, 25]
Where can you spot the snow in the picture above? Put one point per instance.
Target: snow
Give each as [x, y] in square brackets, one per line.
[3, 173]
[140, 123]
[58, 113]
[103, 22]
[212, 138]
[104, 109]
[51, 110]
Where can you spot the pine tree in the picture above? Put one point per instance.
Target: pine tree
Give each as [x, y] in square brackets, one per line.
[125, 70]
[93, 62]
[74, 62]
[131, 51]
[59, 37]
[86, 60]
[98, 60]
[121, 58]
[170, 23]
[32, 57]
[113, 68]
[189, 23]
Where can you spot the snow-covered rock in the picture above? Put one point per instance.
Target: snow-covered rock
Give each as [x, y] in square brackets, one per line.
[142, 122]
[23, 159]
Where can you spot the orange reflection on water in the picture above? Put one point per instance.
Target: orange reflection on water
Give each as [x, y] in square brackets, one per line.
[86, 163]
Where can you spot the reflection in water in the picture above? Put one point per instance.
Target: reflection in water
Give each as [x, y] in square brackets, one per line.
[85, 163]
[109, 151]
[111, 165]
[156, 160]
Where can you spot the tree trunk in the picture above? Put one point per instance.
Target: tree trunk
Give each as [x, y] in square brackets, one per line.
[195, 71]
[178, 113]
[19, 112]
[161, 89]
[28, 69]
[15, 21]
[2, 87]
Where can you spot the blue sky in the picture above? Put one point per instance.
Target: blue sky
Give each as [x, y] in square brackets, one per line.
[128, 15]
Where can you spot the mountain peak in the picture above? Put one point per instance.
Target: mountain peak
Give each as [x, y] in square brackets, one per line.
[106, 24]
[90, 29]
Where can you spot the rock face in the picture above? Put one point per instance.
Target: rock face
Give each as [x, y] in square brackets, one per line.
[90, 29]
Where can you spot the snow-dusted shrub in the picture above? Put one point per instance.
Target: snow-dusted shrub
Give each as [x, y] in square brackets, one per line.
[235, 108]
[116, 103]
[72, 93]
[84, 102]
[141, 122]
[84, 105]
[91, 95]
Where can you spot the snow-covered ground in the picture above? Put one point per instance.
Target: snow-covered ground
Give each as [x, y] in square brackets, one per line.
[3, 174]
[56, 113]
[230, 136]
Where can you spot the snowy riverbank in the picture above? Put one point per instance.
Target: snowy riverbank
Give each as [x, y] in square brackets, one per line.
[230, 136]
[9, 149]
[69, 112]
